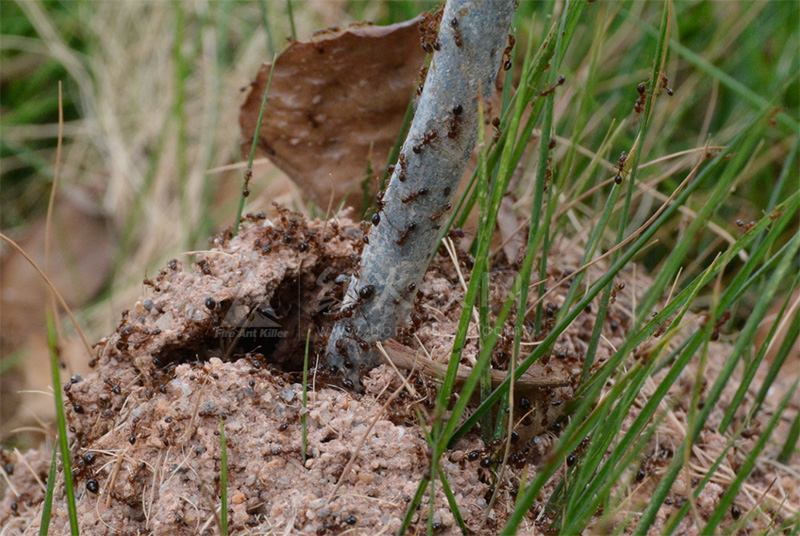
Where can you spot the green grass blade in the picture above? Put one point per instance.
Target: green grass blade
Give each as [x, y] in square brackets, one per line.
[451, 500]
[714, 392]
[248, 173]
[291, 19]
[791, 441]
[725, 79]
[47, 505]
[264, 7]
[223, 479]
[783, 352]
[749, 463]
[581, 424]
[412, 506]
[55, 366]
[304, 416]
[748, 333]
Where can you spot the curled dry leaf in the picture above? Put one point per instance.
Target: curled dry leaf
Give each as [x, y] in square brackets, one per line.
[335, 107]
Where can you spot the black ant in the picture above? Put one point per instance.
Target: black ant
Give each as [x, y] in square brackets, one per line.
[641, 89]
[404, 234]
[452, 126]
[746, 227]
[620, 167]
[414, 195]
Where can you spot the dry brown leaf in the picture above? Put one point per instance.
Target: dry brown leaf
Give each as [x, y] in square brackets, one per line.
[335, 103]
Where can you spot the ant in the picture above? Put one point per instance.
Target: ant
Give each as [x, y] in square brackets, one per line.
[441, 213]
[404, 234]
[507, 53]
[559, 82]
[452, 130]
[365, 230]
[719, 324]
[664, 82]
[331, 29]
[414, 195]
[417, 319]
[411, 288]
[663, 327]
[613, 299]
[772, 116]
[423, 75]
[342, 349]
[747, 227]
[401, 161]
[456, 32]
[429, 30]
[620, 167]
[427, 139]
[376, 218]
[363, 294]
[362, 344]
[641, 89]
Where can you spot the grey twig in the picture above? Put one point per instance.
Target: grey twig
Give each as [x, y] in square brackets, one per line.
[470, 43]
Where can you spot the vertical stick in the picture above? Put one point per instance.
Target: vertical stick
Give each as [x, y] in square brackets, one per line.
[467, 56]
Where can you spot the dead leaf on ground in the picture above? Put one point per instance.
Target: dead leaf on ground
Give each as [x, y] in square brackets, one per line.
[335, 103]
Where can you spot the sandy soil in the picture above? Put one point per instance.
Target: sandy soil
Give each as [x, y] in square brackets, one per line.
[225, 338]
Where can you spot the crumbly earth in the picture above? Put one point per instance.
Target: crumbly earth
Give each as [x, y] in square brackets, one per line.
[225, 342]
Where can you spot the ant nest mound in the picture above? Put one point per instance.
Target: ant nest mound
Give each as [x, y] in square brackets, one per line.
[226, 341]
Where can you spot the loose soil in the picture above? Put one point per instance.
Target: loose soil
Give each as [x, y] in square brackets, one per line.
[224, 340]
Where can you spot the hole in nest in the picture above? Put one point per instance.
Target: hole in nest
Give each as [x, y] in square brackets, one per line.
[272, 332]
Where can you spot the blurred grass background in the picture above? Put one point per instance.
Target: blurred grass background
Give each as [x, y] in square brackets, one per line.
[151, 165]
